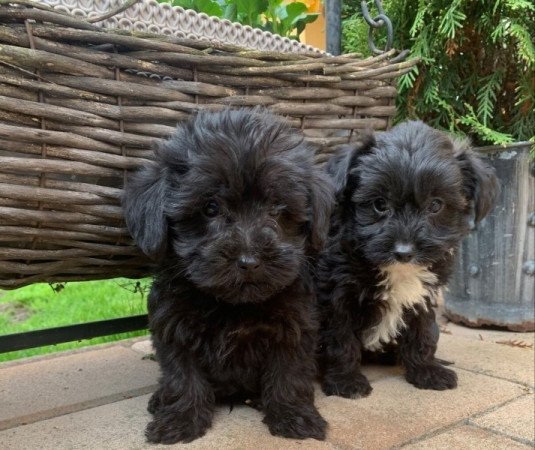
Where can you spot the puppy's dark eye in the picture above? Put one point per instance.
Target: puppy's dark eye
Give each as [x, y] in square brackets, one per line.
[380, 205]
[211, 209]
[435, 205]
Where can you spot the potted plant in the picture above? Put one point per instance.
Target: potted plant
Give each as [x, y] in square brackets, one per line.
[477, 78]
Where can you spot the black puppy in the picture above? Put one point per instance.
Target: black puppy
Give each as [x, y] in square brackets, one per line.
[231, 209]
[405, 201]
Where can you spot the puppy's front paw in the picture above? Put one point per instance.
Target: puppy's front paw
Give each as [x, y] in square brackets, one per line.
[169, 428]
[355, 387]
[297, 424]
[154, 402]
[432, 376]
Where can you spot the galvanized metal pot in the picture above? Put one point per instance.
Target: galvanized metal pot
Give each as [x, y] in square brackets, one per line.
[494, 282]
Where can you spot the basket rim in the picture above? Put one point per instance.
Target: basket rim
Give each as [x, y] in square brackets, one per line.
[163, 18]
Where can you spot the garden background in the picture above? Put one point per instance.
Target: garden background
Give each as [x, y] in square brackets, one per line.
[476, 78]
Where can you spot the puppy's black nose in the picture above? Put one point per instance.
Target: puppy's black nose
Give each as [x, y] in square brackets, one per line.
[404, 252]
[248, 263]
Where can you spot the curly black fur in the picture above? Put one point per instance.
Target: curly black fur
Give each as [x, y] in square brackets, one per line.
[406, 198]
[232, 209]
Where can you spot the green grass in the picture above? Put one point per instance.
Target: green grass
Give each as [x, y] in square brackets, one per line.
[40, 306]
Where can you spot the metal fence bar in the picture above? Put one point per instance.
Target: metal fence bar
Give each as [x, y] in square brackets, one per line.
[333, 14]
[58, 335]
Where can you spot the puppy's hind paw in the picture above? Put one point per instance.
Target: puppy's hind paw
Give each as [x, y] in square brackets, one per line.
[170, 429]
[297, 424]
[354, 388]
[432, 376]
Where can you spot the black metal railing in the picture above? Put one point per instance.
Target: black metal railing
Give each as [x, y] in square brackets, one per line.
[69, 333]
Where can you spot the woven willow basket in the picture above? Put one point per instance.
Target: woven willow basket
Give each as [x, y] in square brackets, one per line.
[81, 106]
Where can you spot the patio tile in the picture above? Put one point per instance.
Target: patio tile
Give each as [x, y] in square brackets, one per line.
[487, 334]
[511, 363]
[78, 401]
[376, 373]
[120, 425]
[467, 437]
[397, 412]
[60, 384]
[63, 384]
[372, 371]
[516, 419]
[145, 347]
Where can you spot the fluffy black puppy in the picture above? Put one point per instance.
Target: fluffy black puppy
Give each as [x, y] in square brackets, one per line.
[406, 199]
[231, 209]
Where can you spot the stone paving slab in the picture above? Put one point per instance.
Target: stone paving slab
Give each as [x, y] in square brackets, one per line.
[373, 372]
[487, 335]
[68, 408]
[510, 363]
[397, 412]
[469, 438]
[516, 419]
[120, 426]
[62, 384]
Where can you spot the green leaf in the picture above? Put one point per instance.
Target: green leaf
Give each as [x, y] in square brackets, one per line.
[272, 15]
[449, 113]
[230, 12]
[210, 7]
[407, 80]
[249, 11]
[419, 19]
[290, 15]
[294, 10]
[430, 93]
[500, 30]
[302, 23]
[516, 5]
[186, 4]
[452, 20]
[526, 49]
[287, 19]
[484, 132]
[486, 96]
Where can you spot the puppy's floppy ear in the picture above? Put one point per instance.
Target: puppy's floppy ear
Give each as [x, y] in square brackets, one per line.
[321, 207]
[143, 205]
[340, 165]
[480, 183]
[144, 196]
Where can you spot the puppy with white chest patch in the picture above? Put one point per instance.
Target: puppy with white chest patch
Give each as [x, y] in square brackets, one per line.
[406, 199]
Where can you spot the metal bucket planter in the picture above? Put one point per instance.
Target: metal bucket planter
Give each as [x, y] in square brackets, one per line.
[494, 282]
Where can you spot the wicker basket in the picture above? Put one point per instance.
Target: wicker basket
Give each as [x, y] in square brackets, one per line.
[81, 106]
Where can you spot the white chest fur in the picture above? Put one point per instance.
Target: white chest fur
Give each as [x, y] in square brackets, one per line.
[402, 286]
